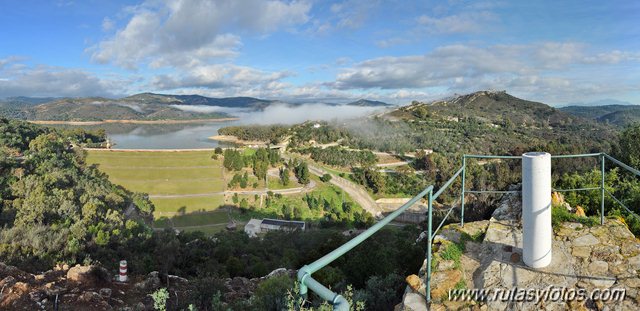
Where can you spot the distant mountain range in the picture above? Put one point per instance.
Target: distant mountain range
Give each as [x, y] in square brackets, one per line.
[601, 102]
[618, 115]
[144, 106]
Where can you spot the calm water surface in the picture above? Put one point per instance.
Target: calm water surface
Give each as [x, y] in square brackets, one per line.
[163, 136]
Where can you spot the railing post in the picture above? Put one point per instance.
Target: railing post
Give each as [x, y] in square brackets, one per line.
[429, 241]
[602, 189]
[464, 168]
[303, 289]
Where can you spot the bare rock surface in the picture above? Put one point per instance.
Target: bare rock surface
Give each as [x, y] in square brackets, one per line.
[602, 257]
[93, 288]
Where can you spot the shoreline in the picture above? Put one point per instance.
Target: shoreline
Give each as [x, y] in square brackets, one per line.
[53, 122]
[236, 140]
[148, 150]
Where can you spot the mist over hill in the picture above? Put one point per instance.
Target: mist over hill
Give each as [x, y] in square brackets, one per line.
[150, 106]
[485, 122]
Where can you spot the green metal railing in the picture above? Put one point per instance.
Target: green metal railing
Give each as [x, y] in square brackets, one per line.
[307, 282]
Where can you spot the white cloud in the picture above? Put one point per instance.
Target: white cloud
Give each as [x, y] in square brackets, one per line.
[349, 14]
[549, 69]
[465, 22]
[612, 57]
[220, 76]
[18, 79]
[556, 55]
[186, 33]
[107, 24]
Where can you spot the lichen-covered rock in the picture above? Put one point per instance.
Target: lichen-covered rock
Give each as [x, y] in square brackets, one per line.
[151, 282]
[414, 282]
[443, 281]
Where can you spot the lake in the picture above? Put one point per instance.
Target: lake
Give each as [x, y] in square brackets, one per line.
[196, 135]
[162, 136]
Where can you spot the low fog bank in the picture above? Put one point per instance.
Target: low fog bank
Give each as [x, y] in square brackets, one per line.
[292, 114]
[282, 113]
[209, 109]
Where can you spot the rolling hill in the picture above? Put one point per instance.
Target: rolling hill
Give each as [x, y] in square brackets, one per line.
[143, 106]
[482, 122]
[368, 103]
[618, 115]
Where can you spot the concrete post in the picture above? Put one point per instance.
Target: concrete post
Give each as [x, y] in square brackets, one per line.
[122, 276]
[536, 209]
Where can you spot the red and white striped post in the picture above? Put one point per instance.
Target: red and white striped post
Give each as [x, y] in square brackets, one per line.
[123, 271]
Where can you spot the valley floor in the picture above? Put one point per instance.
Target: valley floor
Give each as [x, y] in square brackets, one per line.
[190, 189]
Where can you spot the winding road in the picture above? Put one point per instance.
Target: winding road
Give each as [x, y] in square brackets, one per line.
[358, 194]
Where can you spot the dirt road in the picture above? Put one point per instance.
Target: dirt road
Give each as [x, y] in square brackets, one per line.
[357, 194]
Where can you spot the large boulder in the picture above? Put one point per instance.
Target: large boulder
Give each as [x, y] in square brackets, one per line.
[87, 275]
[150, 283]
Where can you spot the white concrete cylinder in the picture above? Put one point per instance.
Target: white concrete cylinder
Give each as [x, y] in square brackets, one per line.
[536, 209]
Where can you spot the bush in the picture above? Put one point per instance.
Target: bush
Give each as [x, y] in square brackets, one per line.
[160, 299]
[560, 214]
[325, 177]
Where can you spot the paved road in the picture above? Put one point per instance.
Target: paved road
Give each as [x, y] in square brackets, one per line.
[357, 194]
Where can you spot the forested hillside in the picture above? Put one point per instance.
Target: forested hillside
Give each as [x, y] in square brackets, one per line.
[617, 115]
[481, 122]
[56, 209]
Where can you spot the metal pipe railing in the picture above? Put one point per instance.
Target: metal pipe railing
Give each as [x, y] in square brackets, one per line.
[340, 303]
[622, 204]
[626, 167]
[602, 189]
[304, 274]
[464, 170]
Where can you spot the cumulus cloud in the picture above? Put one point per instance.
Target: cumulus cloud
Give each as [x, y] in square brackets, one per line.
[219, 76]
[548, 70]
[188, 33]
[19, 79]
[465, 22]
[453, 64]
[432, 69]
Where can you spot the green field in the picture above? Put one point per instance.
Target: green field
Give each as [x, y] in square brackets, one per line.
[192, 181]
[187, 188]
[169, 206]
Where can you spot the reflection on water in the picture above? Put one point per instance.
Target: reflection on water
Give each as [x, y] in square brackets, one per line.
[162, 136]
[195, 135]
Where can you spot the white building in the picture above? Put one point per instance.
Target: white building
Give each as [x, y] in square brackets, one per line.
[252, 228]
[255, 226]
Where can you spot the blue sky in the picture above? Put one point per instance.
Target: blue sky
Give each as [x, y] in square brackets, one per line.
[551, 51]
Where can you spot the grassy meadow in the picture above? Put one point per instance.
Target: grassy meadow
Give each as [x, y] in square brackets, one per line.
[186, 187]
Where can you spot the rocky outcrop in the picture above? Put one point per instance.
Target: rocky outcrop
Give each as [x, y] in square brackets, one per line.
[240, 288]
[92, 288]
[601, 257]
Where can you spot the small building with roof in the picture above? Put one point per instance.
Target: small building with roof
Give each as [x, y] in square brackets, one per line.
[256, 226]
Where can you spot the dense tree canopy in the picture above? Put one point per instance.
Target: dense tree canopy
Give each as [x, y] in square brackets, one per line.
[54, 206]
